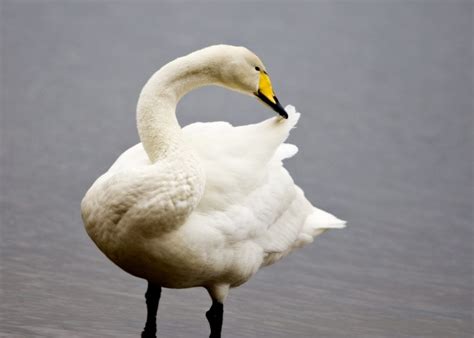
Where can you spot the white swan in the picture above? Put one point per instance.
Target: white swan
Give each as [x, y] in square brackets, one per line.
[207, 205]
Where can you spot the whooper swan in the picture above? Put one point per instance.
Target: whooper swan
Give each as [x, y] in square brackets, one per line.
[208, 204]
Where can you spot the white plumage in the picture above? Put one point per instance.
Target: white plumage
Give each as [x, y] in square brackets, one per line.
[209, 204]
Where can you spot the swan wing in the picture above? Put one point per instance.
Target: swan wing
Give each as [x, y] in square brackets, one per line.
[249, 195]
[250, 200]
[237, 160]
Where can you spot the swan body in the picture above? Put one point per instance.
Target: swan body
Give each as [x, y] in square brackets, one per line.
[208, 204]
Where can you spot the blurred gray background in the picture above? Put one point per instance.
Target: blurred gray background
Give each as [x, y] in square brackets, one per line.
[385, 138]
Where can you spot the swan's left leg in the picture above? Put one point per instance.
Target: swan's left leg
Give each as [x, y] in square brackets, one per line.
[215, 314]
[152, 297]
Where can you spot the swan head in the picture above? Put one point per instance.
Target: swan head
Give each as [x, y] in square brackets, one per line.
[239, 69]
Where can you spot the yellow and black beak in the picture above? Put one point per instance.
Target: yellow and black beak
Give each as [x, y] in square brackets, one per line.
[265, 93]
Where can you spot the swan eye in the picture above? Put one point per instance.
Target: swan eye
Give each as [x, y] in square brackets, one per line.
[257, 68]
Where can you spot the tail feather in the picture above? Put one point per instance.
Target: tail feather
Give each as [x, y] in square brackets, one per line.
[321, 219]
[317, 223]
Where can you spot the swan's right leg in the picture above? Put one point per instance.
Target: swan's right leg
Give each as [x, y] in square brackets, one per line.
[152, 297]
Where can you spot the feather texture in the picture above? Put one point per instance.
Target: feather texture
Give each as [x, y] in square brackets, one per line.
[205, 205]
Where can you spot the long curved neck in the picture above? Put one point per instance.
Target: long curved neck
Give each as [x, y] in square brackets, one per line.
[159, 130]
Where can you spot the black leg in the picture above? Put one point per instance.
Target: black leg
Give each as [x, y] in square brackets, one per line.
[215, 316]
[152, 297]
